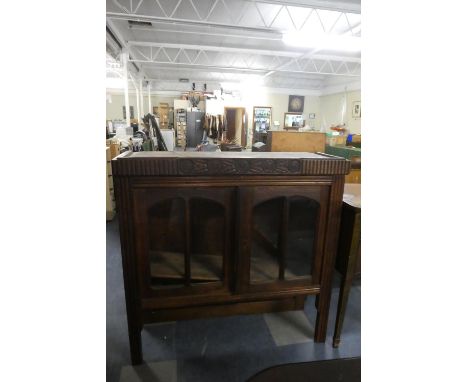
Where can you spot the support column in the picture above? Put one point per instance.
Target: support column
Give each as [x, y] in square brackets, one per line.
[141, 97]
[149, 98]
[138, 106]
[125, 74]
[137, 101]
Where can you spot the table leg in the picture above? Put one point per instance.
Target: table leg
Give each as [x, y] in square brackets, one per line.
[347, 278]
[136, 351]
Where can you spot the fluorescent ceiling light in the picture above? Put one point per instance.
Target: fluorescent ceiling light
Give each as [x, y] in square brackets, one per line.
[231, 85]
[247, 84]
[114, 83]
[323, 41]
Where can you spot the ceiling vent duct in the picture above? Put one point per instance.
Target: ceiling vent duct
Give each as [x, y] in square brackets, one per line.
[183, 80]
[139, 23]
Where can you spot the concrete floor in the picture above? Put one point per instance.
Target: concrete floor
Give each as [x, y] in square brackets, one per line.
[222, 349]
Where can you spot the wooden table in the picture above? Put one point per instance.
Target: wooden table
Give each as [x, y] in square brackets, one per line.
[348, 250]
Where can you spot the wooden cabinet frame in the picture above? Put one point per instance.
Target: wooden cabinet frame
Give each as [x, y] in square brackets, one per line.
[237, 181]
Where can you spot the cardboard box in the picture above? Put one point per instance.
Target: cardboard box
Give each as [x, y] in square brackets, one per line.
[114, 147]
[295, 141]
[356, 138]
[337, 140]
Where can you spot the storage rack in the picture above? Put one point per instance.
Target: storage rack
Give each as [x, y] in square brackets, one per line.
[181, 127]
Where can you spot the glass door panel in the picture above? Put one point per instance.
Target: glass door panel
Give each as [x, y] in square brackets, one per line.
[167, 243]
[207, 242]
[264, 264]
[301, 228]
[185, 239]
[284, 238]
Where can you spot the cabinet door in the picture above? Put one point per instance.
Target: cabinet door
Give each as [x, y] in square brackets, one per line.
[183, 239]
[282, 231]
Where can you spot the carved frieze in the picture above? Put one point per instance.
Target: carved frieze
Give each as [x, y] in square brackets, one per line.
[218, 165]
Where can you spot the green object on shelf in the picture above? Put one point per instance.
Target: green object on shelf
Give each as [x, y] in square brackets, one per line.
[344, 152]
[148, 145]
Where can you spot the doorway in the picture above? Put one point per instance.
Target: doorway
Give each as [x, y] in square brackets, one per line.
[236, 125]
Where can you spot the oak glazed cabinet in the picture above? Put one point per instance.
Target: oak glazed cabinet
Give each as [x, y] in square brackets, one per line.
[216, 234]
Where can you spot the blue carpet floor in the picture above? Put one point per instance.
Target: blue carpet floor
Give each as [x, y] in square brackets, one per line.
[222, 349]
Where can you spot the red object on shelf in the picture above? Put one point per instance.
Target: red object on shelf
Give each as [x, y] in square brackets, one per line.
[338, 128]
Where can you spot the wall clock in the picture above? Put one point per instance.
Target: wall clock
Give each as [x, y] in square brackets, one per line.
[296, 104]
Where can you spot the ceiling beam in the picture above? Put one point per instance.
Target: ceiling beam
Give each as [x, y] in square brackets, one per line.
[173, 65]
[135, 17]
[211, 48]
[269, 37]
[238, 50]
[328, 5]
[169, 66]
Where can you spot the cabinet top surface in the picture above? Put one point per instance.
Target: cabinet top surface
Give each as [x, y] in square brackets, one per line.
[223, 155]
[193, 163]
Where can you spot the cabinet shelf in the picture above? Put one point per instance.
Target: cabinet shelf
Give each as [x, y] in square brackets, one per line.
[170, 266]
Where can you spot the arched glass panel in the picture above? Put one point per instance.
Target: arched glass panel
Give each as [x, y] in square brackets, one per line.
[167, 243]
[266, 225]
[303, 213]
[283, 239]
[207, 224]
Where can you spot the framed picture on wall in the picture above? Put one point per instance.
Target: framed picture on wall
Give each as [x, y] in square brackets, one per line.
[356, 109]
[296, 104]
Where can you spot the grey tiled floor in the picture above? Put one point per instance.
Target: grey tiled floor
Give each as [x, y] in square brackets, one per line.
[289, 328]
[221, 349]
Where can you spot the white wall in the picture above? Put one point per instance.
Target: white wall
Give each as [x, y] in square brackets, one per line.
[331, 111]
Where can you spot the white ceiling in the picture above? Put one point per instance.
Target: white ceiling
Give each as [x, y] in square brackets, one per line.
[218, 41]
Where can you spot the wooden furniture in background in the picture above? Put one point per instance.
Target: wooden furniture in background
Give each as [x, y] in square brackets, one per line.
[216, 234]
[181, 127]
[162, 111]
[294, 141]
[114, 147]
[110, 211]
[354, 175]
[261, 123]
[351, 153]
[349, 251]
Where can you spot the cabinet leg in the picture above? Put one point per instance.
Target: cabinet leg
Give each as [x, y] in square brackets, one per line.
[136, 351]
[321, 319]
